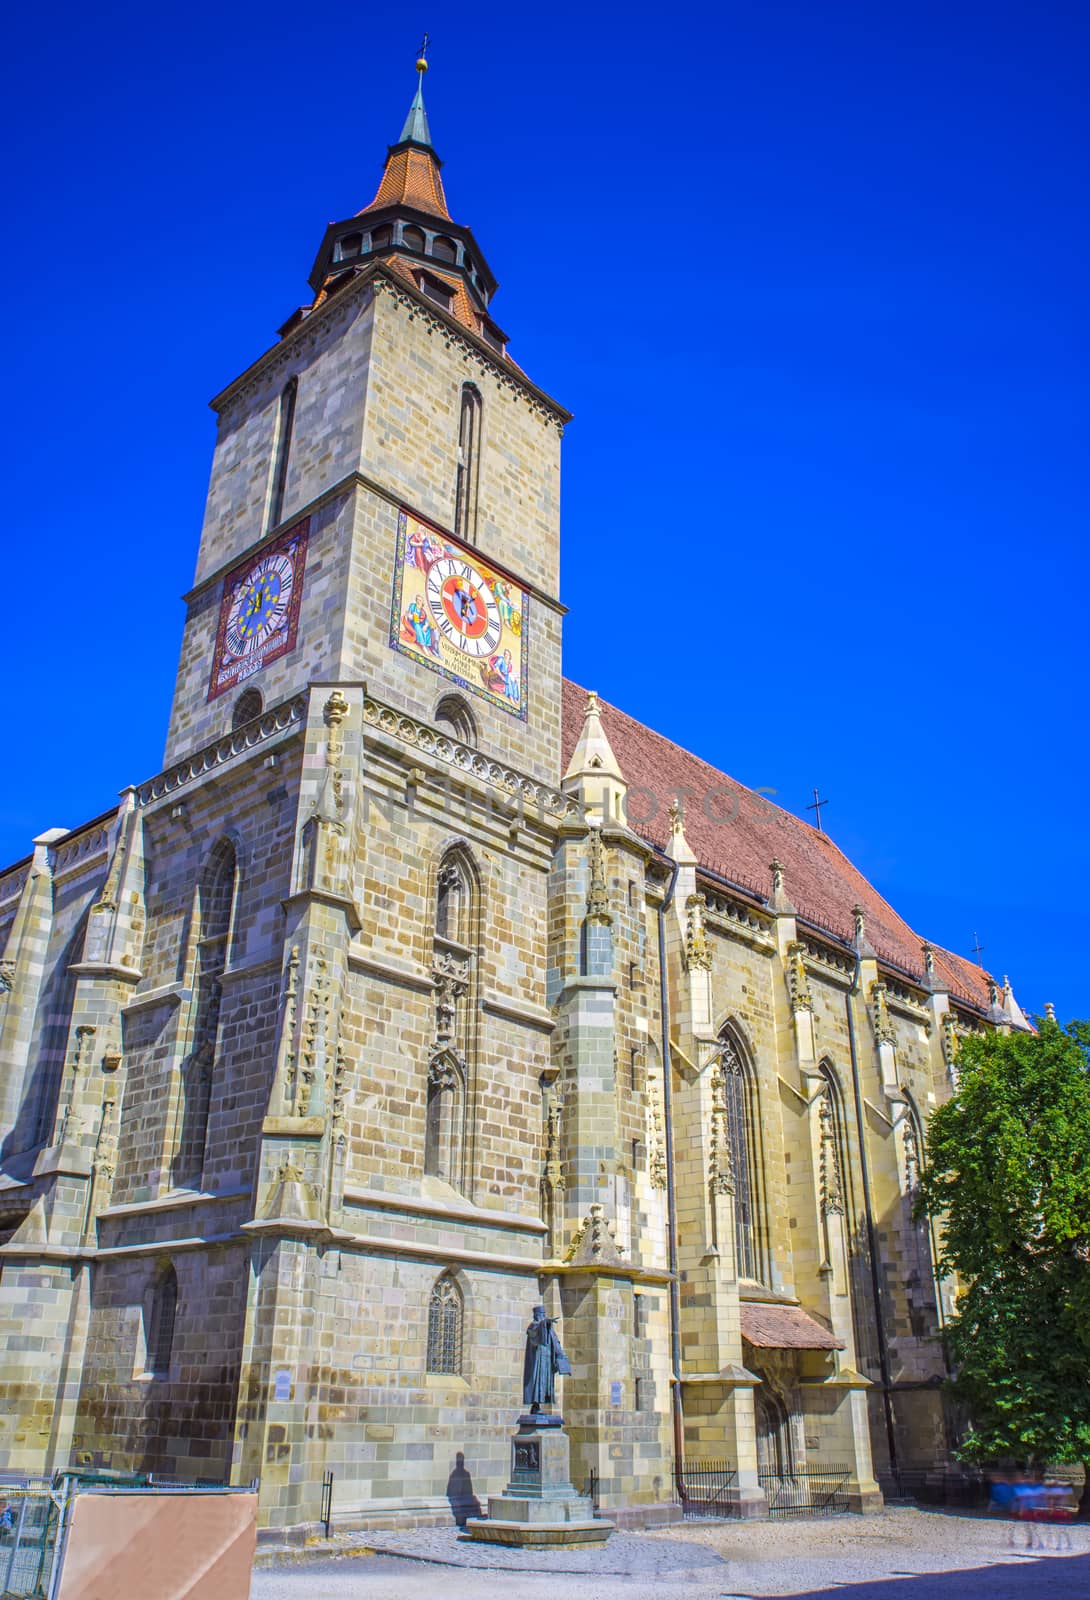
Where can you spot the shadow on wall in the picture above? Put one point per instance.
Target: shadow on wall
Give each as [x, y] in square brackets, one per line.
[463, 1502]
[1022, 1580]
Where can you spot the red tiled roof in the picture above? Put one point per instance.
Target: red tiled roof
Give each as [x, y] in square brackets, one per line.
[784, 1327]
[736, 833]
[411, 178]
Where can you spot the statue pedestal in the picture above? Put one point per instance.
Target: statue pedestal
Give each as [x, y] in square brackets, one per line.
[540, 1505]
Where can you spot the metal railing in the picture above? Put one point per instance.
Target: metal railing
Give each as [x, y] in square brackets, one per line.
[703, 1488]
[806, 1491]
[963, 1488]
[29, 1522]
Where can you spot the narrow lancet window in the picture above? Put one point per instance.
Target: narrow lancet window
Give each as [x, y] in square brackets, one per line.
[446, 1314]
[160, 1331]
[469, 465]
[738, 1100]
[285, 424]
[215, 915]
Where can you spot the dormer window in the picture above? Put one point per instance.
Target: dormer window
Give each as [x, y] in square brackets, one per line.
[349, 246]
[436, 290]
[491, 337]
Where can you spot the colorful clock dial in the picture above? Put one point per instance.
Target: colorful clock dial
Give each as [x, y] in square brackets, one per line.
[259, 612]
[458, 615]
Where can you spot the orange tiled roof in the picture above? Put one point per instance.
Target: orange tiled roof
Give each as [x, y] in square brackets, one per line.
[461, 307]
[736, 833]
[411, 178]
[784, 1328]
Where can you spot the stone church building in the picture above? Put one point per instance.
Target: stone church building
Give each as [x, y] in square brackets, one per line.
[420, 987]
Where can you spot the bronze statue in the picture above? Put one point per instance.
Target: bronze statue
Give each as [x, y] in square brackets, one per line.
[544, 1359]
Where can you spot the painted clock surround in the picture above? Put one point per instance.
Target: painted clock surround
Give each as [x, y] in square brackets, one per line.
[460, 615]
[259, 610]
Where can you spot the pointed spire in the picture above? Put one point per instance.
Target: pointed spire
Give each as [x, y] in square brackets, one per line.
[860, 943]
[594, 774]
[778, 902]
[679, 848]
[416, 130]
[412, 176]
[1015, 1014]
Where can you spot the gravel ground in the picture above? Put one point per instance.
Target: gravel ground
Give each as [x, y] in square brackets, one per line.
[901, 1554]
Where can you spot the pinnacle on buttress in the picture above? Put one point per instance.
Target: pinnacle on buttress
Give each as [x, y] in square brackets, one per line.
[1014, 1013]
[679, 847]
[594, 774]
[860, 943]
[778, 902]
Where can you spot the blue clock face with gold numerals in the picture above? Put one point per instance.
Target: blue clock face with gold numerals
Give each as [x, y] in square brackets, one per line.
[259, 612]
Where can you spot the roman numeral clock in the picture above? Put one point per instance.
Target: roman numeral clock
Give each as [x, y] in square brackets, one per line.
[259, 611]
[459, 615]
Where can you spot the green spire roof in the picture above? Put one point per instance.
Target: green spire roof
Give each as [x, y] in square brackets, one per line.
[416, 127]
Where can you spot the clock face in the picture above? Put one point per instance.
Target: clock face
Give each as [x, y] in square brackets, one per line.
[462, 606]
[259, 612]
[460, 616]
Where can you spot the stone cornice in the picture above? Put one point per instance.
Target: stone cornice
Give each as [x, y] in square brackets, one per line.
[241, 741]
[400, 726]
[370, 282]
[510, 376]
[442, 1210]
[360, 480]
[519, 1011]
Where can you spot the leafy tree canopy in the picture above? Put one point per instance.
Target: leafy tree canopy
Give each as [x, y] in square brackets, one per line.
[1007, 1177]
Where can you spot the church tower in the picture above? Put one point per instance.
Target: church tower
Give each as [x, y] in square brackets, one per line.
[384, 497]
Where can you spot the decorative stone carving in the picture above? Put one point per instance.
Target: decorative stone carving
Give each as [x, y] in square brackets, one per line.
[554, 1167]
[720, 1166]
[594, 1244]
[912, 1156]
[1050, 1011]
[312, 1045]
[656, 1142]
[7, 978]
[450, 974]
[949, 1038]
[334, 711]
[597, 892]
[85, 1043]
[798, 981]
[286, 1066]
[860, 943]
[883, 1027]
[832, 1188]
[698, 956]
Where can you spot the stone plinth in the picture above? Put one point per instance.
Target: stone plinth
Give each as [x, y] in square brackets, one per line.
[540, 1505]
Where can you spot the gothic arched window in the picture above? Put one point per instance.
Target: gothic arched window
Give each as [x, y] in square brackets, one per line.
[740, 1104]
[162, 1316]
[453, 898]
[446, 1317]
[285, 426]
[215, 917]
[469, 464]
[248, 706]
[453, 714]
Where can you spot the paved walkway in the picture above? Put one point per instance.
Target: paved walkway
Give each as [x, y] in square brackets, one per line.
[901, 1554]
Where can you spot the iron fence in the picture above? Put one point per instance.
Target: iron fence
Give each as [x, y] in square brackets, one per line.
[591, 1490]
[29, 1522]
[806, 1491]
[702, 1489]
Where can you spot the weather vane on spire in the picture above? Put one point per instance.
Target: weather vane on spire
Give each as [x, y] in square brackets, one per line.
[422, 54]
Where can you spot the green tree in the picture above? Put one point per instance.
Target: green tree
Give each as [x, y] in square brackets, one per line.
[1007, 1178]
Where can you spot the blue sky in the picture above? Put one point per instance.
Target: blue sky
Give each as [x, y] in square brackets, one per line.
[812, 279]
